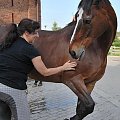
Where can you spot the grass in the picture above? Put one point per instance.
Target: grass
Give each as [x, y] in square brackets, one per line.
[115, 48]
[114, 51]
[114, 54]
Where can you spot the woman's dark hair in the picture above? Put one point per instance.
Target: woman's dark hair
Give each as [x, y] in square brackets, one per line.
[24, 25]
[27, 25]
[9, 38]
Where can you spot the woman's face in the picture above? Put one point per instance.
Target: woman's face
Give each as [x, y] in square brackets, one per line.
[32, 36]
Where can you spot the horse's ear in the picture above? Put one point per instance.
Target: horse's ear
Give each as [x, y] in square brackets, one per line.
[74, 19]
[75, 16]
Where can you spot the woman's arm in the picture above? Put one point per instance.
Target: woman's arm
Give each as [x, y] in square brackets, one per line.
[42, 69]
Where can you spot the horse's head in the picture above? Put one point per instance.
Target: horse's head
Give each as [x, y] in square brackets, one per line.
[82, 29]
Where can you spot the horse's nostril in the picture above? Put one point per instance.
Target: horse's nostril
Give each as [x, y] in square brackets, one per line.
[73, 54]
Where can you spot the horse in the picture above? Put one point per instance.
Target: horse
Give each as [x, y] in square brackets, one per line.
[87, 41]
[91, 41]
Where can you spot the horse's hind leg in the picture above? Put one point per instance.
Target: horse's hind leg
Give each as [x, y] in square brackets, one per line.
[5, 112]
[87, 103]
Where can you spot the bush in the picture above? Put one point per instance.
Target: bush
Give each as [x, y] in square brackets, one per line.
[116, 43]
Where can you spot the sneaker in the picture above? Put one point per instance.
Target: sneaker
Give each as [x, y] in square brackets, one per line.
[35, 85]
[40, 84]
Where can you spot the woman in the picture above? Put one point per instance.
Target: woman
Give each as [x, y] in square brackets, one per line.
[17, 59]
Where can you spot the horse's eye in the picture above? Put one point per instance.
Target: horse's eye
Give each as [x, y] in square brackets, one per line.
[86, 21]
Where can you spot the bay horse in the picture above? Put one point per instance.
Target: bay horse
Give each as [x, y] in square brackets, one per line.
[86, 41]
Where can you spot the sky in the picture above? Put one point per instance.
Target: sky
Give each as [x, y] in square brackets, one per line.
[62, 11]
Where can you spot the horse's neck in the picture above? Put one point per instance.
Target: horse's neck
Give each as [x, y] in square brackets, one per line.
[54, 40]
[62, 35]
[103, 43]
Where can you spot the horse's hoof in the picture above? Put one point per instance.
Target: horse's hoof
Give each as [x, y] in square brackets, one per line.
[35, 85]
[40, 84]
[76, 117]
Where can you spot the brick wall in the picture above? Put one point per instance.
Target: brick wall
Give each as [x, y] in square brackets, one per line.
[15, 10]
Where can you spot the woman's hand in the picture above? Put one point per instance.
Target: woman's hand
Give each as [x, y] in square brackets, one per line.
[69, 65]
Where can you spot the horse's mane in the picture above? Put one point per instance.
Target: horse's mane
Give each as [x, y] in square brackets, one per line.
[80, 4]
[84, 4]
[96, 2]
[107, 2]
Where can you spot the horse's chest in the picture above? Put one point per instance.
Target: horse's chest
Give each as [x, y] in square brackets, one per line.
[97, 71]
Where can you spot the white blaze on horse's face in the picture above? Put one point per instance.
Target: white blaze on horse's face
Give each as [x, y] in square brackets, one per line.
[80, 12]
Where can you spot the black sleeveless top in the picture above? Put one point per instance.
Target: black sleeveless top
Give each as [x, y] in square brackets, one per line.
[15, 63]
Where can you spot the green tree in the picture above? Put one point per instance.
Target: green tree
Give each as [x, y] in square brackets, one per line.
[116, 41]
[55, 26]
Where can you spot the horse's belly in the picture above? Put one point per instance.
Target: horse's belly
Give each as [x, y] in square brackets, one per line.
[53, 78]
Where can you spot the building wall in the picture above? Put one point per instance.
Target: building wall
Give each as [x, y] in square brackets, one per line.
[15, 10]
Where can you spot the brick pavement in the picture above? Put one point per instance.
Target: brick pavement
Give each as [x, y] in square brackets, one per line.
[56, 102]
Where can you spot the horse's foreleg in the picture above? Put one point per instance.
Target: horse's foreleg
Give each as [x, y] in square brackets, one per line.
[80, 104]
[86, 104]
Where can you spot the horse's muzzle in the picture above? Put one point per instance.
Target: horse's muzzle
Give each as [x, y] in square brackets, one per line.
[79, 54]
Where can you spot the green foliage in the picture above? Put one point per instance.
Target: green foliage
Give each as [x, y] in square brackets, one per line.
[115, 48]
[116, 43]
[55, 26]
